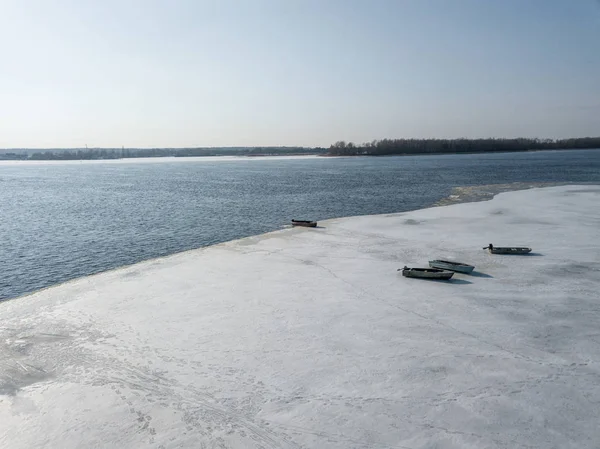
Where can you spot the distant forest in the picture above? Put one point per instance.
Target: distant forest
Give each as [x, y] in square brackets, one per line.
[122, 153]
[383, 147]
[436, 146]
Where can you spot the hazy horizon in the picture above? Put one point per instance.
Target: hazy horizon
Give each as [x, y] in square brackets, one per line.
[158, 74]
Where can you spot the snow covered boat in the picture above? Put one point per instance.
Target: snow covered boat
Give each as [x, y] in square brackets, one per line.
[426, 273]
[451, 266]
[305, 223]
[507, 249]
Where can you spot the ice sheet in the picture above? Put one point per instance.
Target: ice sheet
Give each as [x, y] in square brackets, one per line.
[310, 338]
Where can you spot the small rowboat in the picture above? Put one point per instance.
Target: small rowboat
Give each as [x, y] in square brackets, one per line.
[426, 273]
[451, 266]
[507, 249]
[305, 223]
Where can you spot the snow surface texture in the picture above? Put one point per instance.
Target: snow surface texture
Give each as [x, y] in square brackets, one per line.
[309, 338]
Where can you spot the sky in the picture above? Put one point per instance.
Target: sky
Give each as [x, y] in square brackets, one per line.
[197, 73]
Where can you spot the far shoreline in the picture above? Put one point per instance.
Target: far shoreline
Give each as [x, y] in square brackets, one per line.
[462, 152]
[308, 155]
[266, 157]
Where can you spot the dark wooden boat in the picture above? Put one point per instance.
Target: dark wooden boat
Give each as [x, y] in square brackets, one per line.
[305, 223]
[426, 273]
[507, 249]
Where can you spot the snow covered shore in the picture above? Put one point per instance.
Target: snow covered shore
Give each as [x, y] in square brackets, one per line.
[309, 338]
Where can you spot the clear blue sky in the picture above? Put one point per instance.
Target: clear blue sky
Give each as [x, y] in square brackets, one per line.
[155, 73]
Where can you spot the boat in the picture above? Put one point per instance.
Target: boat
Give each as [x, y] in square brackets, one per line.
[426, 273]
[305, 223]
[507, 249]
[451, 266]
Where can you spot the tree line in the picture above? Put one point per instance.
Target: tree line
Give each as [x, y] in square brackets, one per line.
[123, 153]
[386, 147]
[382, 147]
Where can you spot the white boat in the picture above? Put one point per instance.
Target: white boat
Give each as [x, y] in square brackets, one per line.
[451, 266]
[426, 273]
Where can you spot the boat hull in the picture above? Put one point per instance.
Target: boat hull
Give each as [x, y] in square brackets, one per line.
[451, 266]
[514, 250]
[427, 273]
[305, 224]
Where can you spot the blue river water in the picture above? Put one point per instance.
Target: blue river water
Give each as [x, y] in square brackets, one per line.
[60, 221]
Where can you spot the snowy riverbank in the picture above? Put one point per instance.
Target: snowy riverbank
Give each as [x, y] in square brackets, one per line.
[309, 338]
